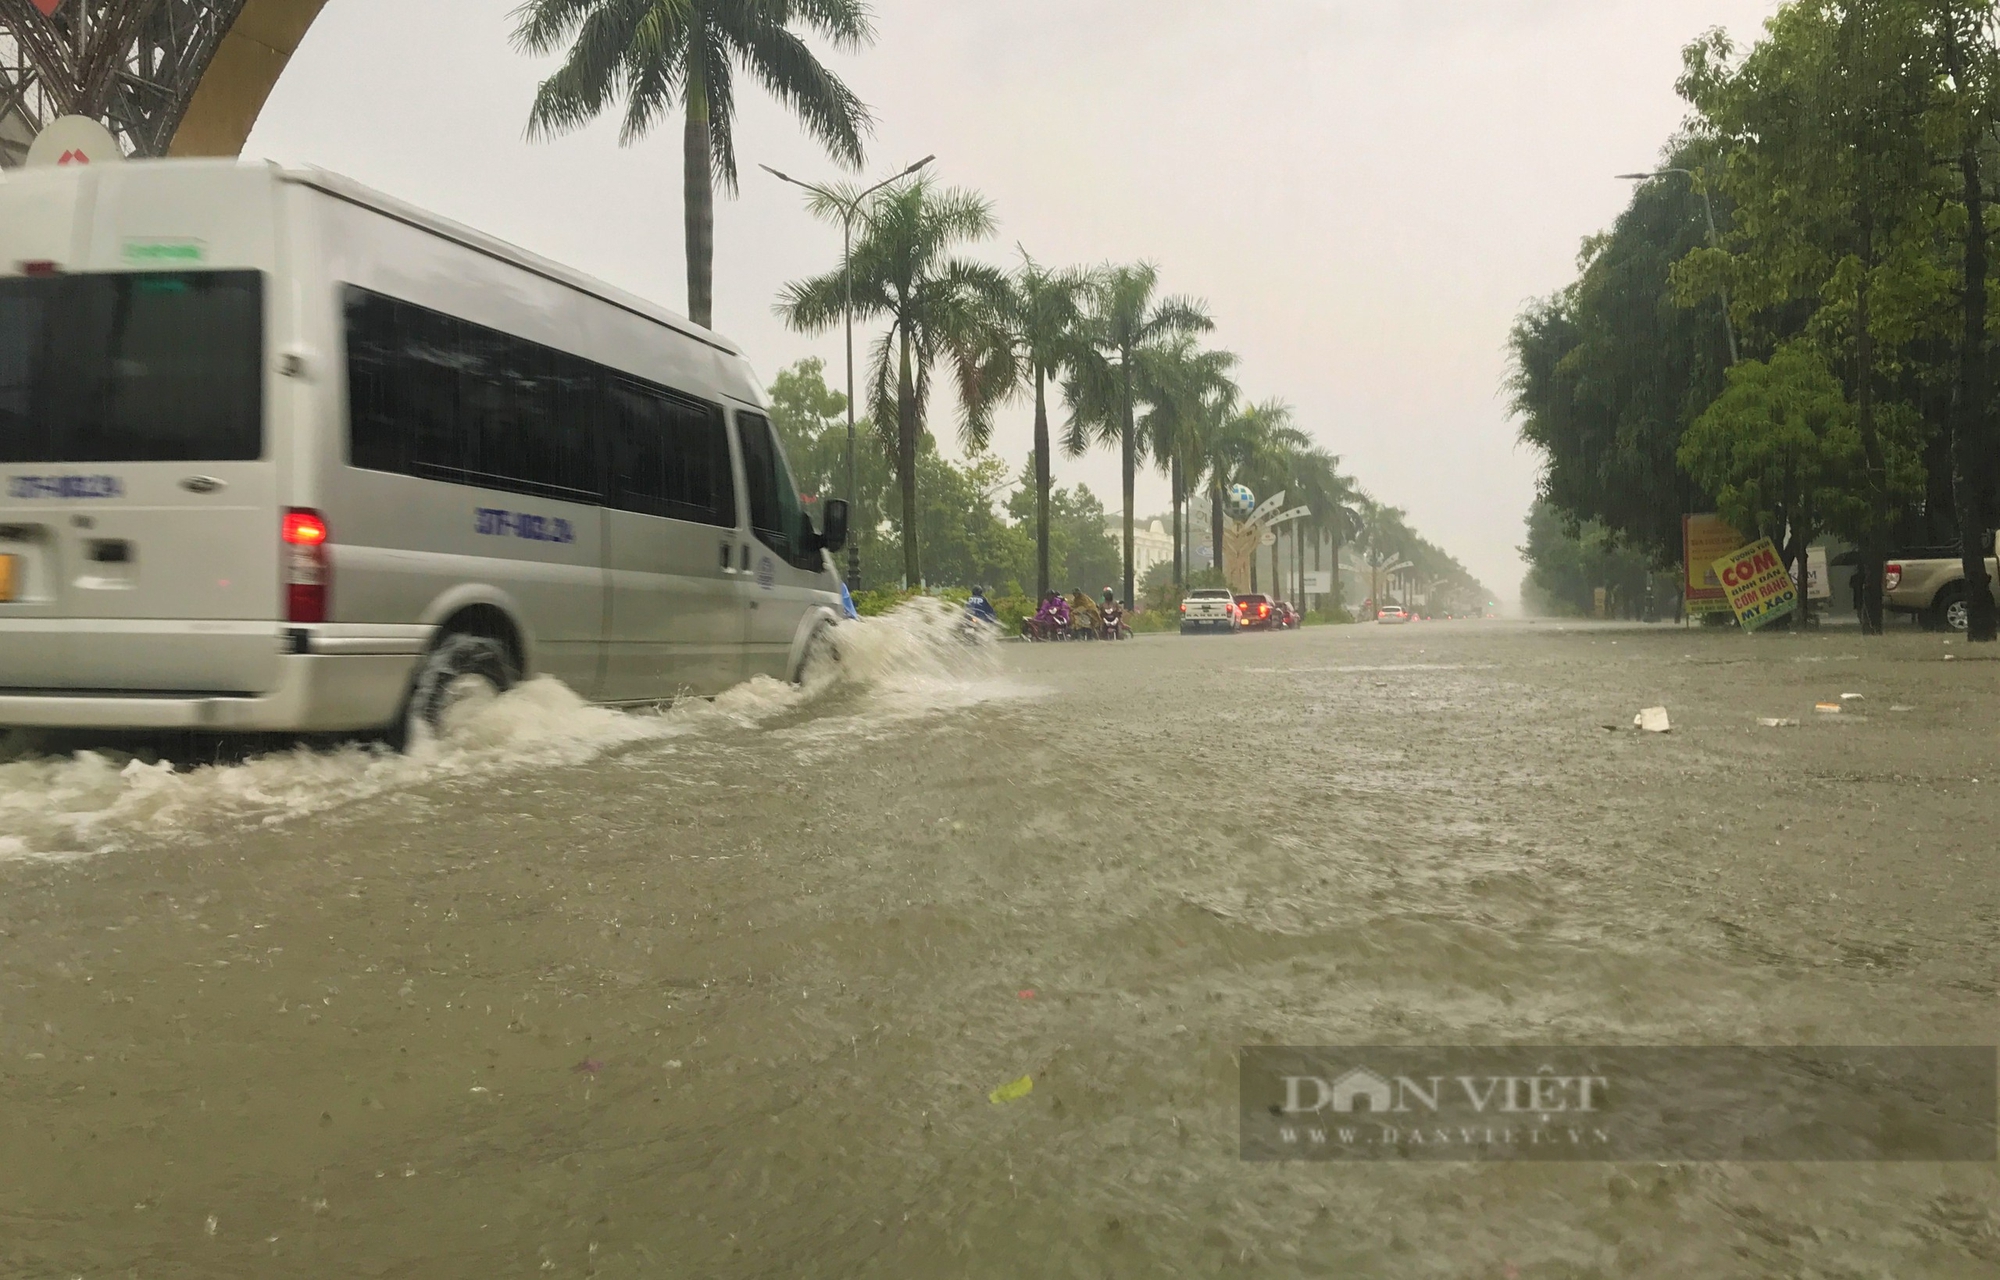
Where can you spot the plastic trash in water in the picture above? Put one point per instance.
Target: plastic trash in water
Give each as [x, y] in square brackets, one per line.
[1852, 697]
[1774, 722]
[1653, 720]
[1827, 708]
[1012, 1090]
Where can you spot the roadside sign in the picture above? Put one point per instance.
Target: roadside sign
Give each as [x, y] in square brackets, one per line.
[1760, 587]
[1819, 585]
[1704, 540]
[48, 7]
[1319, 582]
[73, 140]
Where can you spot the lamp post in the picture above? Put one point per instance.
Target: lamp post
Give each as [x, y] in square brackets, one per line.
[849, 210]
[1714, 239]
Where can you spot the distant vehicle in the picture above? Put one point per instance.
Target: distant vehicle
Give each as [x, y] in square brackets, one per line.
[280, 453]
[1284, 616]
[1253, 612]
[1391, 613]
[1930, 583]
[1209, 609]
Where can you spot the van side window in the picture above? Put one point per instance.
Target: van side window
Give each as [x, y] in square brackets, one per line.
[435, 396]
[669, 456]
[775, 514]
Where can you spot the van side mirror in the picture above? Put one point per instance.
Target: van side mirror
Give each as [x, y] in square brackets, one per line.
[835, 516]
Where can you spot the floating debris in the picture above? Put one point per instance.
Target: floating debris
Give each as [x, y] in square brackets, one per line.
[1012, 1090]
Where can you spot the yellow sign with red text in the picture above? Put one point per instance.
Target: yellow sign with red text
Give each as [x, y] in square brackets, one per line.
[1760, 587]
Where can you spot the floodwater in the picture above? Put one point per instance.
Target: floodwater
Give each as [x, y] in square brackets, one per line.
[726, 990]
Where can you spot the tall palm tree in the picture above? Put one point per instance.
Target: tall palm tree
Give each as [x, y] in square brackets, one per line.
[1188, 392]
[1317, 483]
[1041, 314]
[940, 308]
[659, 54]
[1124, 319]
[1385, 540]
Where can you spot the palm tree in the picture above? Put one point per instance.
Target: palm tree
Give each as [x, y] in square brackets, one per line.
[1188, 393]
[1041, 313]
[1317, 483]
[1123, 320]
[1385, 540]
[939, 308]
[658, 54]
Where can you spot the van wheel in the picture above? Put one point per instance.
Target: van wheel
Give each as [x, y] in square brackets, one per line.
[822, 658]
[1948, 611]
[461, 674]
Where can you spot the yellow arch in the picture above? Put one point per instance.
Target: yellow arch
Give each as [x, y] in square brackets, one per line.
[239, 78]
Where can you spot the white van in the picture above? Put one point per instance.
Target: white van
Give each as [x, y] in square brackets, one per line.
[280, 453]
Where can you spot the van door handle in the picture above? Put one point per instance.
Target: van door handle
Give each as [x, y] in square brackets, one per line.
[725, 558]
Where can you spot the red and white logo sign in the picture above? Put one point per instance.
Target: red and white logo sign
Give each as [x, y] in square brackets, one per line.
[74, 140]
[48, 7]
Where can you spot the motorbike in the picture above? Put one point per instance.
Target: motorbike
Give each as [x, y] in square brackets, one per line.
[1115, 626]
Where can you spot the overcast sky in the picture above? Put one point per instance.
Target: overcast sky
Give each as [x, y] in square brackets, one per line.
[1364, 192]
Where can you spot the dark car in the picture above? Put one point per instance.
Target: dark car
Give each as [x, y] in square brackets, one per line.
[1255, 613]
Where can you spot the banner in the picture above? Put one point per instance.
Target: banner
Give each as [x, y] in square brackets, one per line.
[1760, 587]
[1704, 540]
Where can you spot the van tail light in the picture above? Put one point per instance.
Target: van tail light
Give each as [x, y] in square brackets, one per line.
[1892, 577]
[1183, 606]
[308, 575]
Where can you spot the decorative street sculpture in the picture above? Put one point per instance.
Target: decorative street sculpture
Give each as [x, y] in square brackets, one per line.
[1255, 526]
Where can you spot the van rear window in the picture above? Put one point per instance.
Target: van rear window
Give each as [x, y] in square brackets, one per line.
[132, 367]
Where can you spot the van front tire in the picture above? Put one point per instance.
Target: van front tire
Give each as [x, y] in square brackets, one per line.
[460, 672]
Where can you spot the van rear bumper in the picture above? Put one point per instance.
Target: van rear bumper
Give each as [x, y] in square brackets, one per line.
[358, 685]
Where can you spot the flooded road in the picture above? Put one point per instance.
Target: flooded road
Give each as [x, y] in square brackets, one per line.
[727, 991]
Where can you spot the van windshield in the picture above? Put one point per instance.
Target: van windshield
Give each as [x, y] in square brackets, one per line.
[139, 367]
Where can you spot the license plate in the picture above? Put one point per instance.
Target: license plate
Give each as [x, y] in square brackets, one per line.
[9, 570]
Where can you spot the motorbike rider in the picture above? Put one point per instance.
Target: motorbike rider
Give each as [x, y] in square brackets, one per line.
[1114, 616]
[981, 608]
[1050, 620]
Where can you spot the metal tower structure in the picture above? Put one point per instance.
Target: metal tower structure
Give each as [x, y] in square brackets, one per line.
[167, 77]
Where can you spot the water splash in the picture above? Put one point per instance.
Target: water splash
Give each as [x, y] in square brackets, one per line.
[876, 673]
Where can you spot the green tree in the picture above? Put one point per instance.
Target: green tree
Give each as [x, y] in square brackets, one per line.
[1124, 319]
[1835, 193]
[660, 54]
[1082, 556]
[1568, 562]
[1607, 375]
[940, 309]
[1965, 40]
[1782, 452]
[1041, 314]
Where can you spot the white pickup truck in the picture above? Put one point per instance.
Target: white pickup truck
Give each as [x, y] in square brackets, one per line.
[1208, 609]
[1930, 582]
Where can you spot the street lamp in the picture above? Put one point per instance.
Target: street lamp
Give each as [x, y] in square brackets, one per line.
[1714, 240]
[849, 210]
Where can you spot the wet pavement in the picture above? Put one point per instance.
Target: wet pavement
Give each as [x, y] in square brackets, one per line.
[728, 991]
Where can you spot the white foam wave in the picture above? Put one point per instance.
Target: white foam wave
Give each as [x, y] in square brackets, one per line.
[911, 662]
